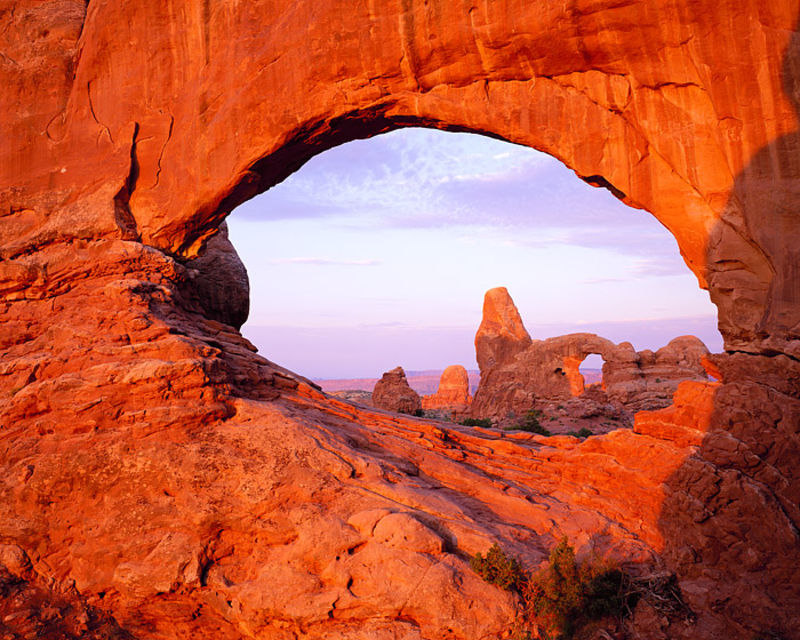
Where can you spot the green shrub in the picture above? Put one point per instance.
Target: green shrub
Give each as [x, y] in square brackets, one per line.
[499, 569]
[566, 595]
[583, 433]
[531, 424]
[562, 597]
[477, 422]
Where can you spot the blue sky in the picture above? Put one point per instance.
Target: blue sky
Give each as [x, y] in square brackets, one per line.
[377, 253]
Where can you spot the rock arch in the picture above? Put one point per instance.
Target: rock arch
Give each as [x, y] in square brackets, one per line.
[132, 129]
[218, 102]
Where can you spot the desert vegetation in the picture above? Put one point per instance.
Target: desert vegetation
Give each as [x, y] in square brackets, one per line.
[566, 599]
[531, 424]
[563, 596]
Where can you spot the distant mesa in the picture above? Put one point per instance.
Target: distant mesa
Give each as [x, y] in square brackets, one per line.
[519, 374]
[392, 393]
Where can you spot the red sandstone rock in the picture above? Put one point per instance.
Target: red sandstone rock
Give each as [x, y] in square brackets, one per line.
[453, 392]
[546, 372]
[649, 380]
[501, 335]
[219, 279]
[392, 393]
[145, 446]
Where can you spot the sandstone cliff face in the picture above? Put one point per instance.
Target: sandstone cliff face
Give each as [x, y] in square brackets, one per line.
[392, 393]
[546, 372]
[160, 475]
[453, 392]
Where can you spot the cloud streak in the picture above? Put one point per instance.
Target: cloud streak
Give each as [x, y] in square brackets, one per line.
[417, 179]
[326, 262]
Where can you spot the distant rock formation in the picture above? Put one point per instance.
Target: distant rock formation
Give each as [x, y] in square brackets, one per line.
[645, 380]
[453, 392]
[392, 393]
[518, 375]
[501, 335]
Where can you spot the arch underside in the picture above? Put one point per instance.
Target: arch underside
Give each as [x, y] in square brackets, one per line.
[159, 464]
[229, 101]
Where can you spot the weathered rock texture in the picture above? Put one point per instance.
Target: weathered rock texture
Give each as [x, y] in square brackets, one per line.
[392, 393]
[501, 335]
[187, 488]
[219, 280]
[453, 392]
[646, 380]
[529, 374]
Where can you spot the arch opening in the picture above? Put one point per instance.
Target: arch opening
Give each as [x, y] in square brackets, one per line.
[405, 264]
[585, 372]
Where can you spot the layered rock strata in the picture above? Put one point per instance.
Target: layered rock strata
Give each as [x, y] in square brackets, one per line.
[167, 482]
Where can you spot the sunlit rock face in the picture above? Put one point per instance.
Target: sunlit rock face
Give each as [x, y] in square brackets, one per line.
[501, 335]
[453, 392]
[157, 471]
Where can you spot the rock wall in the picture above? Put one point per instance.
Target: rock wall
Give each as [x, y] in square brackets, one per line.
[159, 472]
[128, 120]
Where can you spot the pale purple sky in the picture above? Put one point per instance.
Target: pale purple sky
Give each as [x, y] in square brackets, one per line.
[377, 253]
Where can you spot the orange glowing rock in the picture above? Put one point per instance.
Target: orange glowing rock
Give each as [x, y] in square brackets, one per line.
[163, 480]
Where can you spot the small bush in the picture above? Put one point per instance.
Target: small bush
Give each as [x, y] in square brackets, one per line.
[562, 597]
[566, 595]
[419, 413]
[583, 433]
[499, 569]
[477, 422]
[531, 424]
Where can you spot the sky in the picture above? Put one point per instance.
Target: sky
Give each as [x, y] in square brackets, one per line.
[378, 253]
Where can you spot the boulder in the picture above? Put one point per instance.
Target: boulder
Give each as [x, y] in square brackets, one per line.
[392, 393]
[219, 280]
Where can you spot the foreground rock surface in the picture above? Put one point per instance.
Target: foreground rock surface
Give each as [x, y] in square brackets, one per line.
[165, 481]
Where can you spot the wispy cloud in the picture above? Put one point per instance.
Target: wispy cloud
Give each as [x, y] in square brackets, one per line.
[604, 280]
[326, 262]
[429, 179]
